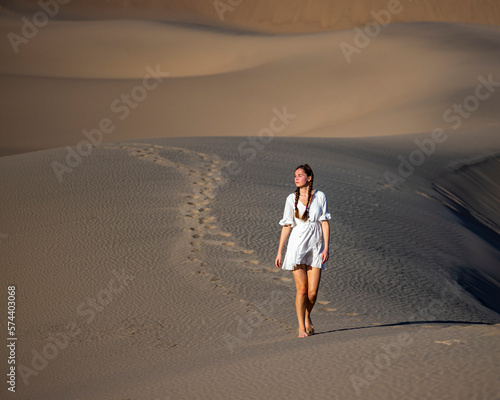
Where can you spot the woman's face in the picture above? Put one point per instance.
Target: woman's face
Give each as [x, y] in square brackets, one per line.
[301, 178]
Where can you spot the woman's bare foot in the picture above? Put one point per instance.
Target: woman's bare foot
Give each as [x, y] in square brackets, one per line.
[303, 334]
[309, 328]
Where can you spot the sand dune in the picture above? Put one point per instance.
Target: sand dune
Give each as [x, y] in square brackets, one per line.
[277, 16]
[149, 147]
[181, 243]
[216, 83]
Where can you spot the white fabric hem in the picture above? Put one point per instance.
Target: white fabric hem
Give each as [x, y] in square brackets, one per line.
[325, 217]
[323, 267]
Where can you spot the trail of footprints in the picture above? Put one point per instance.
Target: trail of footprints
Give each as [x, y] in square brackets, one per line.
[204, 173]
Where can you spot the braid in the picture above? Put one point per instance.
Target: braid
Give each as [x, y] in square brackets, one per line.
[309, 195]
[297, 193]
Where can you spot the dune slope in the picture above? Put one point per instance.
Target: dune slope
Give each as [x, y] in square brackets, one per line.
[160, 80]
[151, 264]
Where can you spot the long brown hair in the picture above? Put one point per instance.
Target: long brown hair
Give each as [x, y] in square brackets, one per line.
[309, 172]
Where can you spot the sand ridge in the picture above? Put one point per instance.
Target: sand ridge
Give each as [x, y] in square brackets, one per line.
[277, 16]
[70, 88]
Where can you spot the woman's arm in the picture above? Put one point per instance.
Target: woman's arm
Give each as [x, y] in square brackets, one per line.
[326, 239]
[284, 236]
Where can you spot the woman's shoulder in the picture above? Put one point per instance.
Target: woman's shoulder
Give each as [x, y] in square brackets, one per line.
[319, 193]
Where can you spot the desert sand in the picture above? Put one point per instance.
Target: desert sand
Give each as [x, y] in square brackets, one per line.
[151, 267]
[143, 264]
[271, 16]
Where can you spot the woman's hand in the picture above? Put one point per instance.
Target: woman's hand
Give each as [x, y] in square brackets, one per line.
[325, 226]
[284, 235]
[324, 256]
[277, 262]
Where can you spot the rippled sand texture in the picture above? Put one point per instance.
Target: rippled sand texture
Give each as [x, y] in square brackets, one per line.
[152, 267]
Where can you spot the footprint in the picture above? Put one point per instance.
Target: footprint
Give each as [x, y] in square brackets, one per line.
[450, 342]
[491, 334]
[351, 314]
[263, 271]
[323, 302]
[225, 234]
[227, 243]
[252, 262]
[247, 251]
[330, 309]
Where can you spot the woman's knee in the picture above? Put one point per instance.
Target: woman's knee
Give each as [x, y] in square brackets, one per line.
[302, 290]
[312, 295]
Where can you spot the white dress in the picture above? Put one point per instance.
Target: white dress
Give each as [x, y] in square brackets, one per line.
[305, 244]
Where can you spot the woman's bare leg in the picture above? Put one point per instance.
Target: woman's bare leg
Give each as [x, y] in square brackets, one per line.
[301, 298]
[313, 280]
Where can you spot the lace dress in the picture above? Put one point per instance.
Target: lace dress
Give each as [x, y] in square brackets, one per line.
[305, 243]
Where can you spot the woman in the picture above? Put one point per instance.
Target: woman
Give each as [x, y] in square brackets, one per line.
[306, 211]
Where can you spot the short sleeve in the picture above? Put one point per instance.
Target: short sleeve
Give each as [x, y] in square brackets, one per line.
[288, 218]
[325, 215]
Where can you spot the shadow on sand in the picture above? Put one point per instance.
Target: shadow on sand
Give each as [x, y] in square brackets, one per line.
[407, 323]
